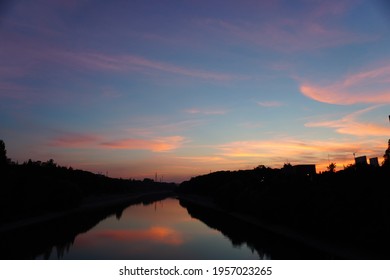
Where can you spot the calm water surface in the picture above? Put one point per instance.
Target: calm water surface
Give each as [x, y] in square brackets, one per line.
[161, 230]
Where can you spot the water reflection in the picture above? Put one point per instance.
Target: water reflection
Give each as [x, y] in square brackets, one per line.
[163, 230]
[56, 238]
[154, 229]
[157, 234]
[266, 245]
[151, 229]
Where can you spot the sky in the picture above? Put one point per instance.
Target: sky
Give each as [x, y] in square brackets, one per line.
[183, 88]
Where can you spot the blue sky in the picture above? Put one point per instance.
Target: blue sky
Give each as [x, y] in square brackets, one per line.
[180, 88]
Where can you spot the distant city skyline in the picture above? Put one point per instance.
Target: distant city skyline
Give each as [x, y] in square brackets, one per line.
[181, 88]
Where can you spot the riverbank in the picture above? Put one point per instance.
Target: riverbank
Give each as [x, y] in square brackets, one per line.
[90, 204]
[337, 250]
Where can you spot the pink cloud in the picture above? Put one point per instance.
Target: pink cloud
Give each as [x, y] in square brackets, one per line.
[370, 86]
[160, 144]
[74, 140]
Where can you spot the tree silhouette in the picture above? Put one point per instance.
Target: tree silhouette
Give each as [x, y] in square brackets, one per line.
[331, 167]
[3, 154]
[386, 156]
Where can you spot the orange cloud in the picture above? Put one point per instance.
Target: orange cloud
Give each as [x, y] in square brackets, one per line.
[160, 144]
[267, 148]
[202, 159]
[156, 234]
[349, 125]
[274, 153]
[371, 86]
[156, 144]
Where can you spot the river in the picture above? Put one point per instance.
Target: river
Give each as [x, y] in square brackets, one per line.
[151, 228]
[159, 230]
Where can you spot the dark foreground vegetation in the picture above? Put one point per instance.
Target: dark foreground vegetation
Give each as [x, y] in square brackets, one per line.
[36, 188]
[349, 208]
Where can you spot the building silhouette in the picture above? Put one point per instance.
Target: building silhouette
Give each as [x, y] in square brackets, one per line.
[374, 162]
[361, 161]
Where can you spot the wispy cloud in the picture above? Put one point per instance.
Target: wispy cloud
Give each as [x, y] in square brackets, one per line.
[161, 144]
[371, 86]
[152, 143]
[24, 57]
[350, 124]
[308, 29]
[319, 152]
[125, 63]
[74, 140]
[267, 148]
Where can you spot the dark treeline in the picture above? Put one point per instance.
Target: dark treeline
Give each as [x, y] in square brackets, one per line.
[35, 188]
[350, 207]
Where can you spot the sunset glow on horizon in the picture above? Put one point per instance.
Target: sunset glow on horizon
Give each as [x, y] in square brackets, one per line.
[182, 88]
